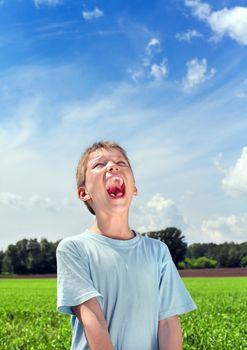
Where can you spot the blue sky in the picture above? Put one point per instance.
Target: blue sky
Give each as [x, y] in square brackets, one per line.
[165, 79]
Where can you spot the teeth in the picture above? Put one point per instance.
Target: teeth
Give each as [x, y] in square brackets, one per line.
[120, 194]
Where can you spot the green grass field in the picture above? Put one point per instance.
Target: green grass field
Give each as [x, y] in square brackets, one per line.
[28, 317]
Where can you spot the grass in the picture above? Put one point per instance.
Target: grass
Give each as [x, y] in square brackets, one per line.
[221, 319]
[28, 316]
[29, 320]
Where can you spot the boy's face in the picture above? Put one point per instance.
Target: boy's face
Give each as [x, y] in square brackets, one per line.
[109, 184]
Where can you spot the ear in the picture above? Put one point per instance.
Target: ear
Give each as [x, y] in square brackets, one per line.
[83, 194]
[135, 192]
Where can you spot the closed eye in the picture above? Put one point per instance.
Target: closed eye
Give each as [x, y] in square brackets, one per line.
[121, 162]
[102, 164]
[98, 165]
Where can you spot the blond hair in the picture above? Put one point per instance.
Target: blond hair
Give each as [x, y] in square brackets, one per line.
[82, 165]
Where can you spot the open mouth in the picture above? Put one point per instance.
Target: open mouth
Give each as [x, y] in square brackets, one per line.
[116, 188]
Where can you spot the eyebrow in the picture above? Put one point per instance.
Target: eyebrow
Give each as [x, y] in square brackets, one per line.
[96, 159]
[100, 158]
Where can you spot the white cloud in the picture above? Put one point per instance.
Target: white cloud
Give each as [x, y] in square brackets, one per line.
[10, 199]
[35, 201]
[38, 201]
[188, 36]
[89, 15]
[47, 2]
[158, 214]
[153, 46]
[197, 73]
[226, 22]
[235, 181]
[229, 228]
[231, 22]
[200, 10]
[159, 71]
[148, 67]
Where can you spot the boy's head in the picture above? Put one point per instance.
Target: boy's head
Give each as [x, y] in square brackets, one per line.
[86, 157]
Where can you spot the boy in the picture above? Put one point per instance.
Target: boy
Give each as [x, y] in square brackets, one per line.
[121, 288]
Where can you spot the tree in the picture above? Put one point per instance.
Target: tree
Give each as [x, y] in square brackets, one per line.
[196, 250]
[228, 254]
[244, 261]
[1, 260]
[47, 256]
[33, 256]
[174, 239]
[204, 263]
[30, 256]
[197, 263]
[21, 265]
[10, 259]
[7, 264]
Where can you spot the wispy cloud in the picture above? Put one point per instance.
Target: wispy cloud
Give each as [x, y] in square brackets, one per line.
[22, 133]
[242, 90]
[217, 163]
[89, 15]
[47, 2]
[197, 73]
[226, 22]
[65, 30]
[235, 181]
[188, 36]
[241, 94]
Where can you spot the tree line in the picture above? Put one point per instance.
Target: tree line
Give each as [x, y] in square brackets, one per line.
[30, 256]
[201, 255]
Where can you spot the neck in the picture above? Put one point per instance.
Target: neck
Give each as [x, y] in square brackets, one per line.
[116, 227]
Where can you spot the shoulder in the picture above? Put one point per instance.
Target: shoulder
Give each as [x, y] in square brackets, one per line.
[156, 246]
[71, 244]
[153, 242]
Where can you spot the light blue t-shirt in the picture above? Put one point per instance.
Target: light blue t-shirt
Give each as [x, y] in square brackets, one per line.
[135, 282]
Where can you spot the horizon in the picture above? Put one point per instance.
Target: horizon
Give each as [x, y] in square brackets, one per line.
[144, 233]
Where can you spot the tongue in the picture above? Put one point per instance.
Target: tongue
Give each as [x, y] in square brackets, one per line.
[116, 191]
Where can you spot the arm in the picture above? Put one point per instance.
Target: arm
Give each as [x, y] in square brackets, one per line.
[170, 334]
[92, 318]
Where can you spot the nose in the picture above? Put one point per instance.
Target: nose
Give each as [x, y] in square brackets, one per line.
[112, 167]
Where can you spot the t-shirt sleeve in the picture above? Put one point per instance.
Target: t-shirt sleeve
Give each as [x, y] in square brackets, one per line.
[173, 295]
[74, 284]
